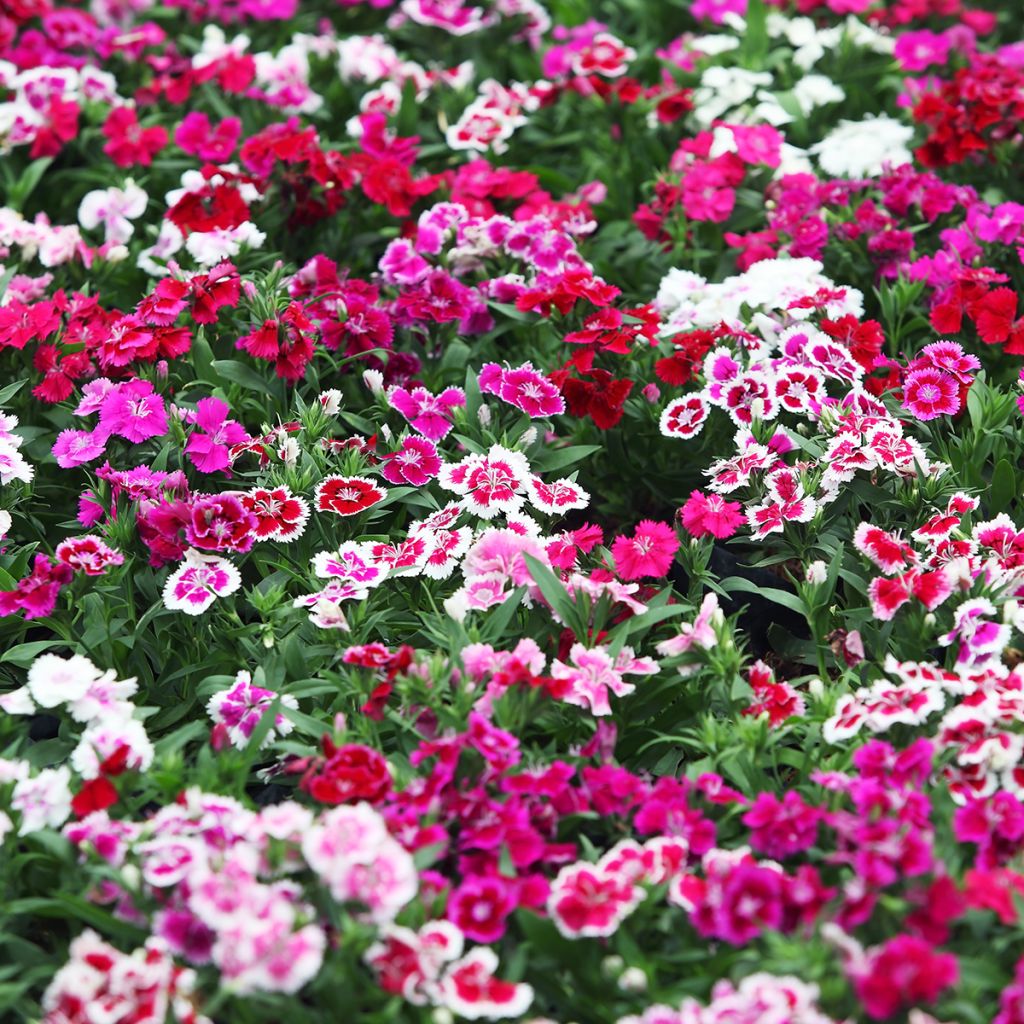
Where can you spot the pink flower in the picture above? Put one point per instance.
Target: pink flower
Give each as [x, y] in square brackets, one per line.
[132, 411]
[591, 673]
[781, 828]
[209, 451]
[220, 522]
[415, 463]
[905, 971]
[711, 514]
[480, 905]
[430, 415]
[929, 393]
[198, 137]
[700, 632]
[36, 594]
[649, 552]
[523, 387]
[490, 483]
[76, 447]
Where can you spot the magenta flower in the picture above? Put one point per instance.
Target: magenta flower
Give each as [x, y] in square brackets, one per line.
[415, 463]
[221, 522]
[210, 450]
[36, 594]
[710, 514]
[429, 415]
[133, 411]
[76, 447]
[649, 552]
[929, 393]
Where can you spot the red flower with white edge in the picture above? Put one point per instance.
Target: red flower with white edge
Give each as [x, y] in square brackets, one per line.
[888, 596]
[605, 56]
[469, 989]
[490, 483]
[850, 715]
[587, 901]
[942, 524]
[790, 505]
[749, 398]
[684, 417]
[347, 495]
[558, 496]
[89, 554]
[410, 553]
[446, 548]
[280, 515]
[887, 550]
[778, 700]
[799, 389]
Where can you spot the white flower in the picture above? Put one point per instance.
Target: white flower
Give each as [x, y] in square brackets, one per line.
[53, 680]
[859, 149]
[330, 401]
[815, 91]
[5, 523]
[44, 800]
[114, 208]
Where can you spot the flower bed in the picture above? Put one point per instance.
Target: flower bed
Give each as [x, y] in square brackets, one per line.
[510, 512]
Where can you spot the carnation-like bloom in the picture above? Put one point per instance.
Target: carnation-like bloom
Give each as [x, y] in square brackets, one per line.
[930, 392]
[347, 495]
[710, 514]
[416, 463]
[89, 554]
[241, 708]
[209, 445]
[649, 552]
[280, 515]
[199, 581]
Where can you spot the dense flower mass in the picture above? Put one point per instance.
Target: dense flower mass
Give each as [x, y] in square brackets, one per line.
[511, 510]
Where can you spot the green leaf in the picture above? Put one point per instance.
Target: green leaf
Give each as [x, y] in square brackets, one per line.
[239, 373]
[783, 597]
[1003, 487]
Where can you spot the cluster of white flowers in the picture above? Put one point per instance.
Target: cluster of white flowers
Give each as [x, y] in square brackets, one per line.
[861, 149]
[687, 301]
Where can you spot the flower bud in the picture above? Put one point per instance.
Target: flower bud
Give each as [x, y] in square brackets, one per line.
[816, 688]
[633, 979]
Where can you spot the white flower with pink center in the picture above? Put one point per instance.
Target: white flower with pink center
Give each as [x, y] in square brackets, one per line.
[199, 581]
[44, 800]
[242, 707]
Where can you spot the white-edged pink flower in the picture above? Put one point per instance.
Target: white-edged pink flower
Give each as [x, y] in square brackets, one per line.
[199, 581]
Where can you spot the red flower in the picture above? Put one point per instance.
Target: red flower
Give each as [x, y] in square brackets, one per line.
[128, 142]
[96, 795]
[347, 774]
[347, 495]
[600, 397]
